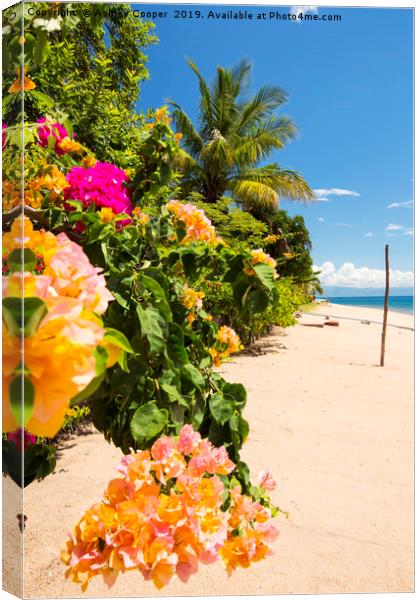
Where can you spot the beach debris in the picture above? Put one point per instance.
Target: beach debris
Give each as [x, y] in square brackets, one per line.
[332, 323]
[313, 324]
[365, 322]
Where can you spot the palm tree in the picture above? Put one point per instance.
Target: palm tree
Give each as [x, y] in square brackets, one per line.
[235, 134]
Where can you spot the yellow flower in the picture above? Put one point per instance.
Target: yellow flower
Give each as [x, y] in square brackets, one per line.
[69, 145]
[106, 214]
[89, 161]
[140, 216]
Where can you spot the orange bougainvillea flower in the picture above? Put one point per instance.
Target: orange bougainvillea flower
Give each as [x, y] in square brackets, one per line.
[59, 356]
[18, 85]
[69, 145]
[89, 161]
[227, 343]
[166, 526]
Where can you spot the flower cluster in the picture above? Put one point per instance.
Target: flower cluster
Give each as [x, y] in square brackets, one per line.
[161, 116]
[21, 437]
[55, 130]
[164, 517]
[59, 356]
[227, 343]
[49, 181]
[197, 226]
[259, 257]
[102, 184]
[140, 217]
[192, 301]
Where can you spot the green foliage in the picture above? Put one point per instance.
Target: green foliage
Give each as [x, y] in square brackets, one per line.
[167, 379]
[233, 224]
[76, 417]
[89, 70]
[220, 302]
[236, 132]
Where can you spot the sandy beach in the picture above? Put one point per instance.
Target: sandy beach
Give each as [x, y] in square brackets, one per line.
[335, 429]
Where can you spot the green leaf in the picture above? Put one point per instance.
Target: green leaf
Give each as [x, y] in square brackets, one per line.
[257, 301]
[147, 422]
[22, 410]
[221, 407]
[26, 312]
[176, 347]
[150, 328]
[240, 426]
[42, 47]
[159, 295]
[198, 411]
[101, 356]
[237, 392]
[265, 274]
[115, 337]
[193, 375]
[21, 259]
[174, 394]
[43, 98]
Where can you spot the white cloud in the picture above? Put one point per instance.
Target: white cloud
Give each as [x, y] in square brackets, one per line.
[297, 10]
[342, 224]
[321, 219]
[393, 229]
[350, 276]
[368, 234]
[406, 204]
[322, 194]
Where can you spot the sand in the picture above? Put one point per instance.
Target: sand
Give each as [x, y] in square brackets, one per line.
[335, 429]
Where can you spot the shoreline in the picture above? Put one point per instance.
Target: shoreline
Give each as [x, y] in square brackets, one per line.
[374, 315]
[336, 431]
[369, 306]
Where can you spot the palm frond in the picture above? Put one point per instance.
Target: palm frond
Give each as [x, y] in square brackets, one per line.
[286, 183]
[191, 138]
[217, 153]
[262, 140]
[254, 194]
[208, 113]
[261, 106]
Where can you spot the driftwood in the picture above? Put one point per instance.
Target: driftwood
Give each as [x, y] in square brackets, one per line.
[332, 323]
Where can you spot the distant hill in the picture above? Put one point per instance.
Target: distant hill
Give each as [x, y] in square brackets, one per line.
[345, 292]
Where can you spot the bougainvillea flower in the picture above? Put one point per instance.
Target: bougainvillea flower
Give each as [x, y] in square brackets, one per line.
[103, 184]
[21, 437]
[227, 343]
[60, 361]
[59, 355]
[18, 85]
[54, 130]
[266, 481]
[167, 528]
[258, 256]
[197, 226]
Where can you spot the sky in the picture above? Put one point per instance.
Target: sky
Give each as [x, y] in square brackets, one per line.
[350, 93]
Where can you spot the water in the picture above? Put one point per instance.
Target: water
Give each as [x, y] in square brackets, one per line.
[397, 303]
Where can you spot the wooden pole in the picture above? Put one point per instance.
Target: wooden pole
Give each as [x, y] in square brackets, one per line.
[385, 306]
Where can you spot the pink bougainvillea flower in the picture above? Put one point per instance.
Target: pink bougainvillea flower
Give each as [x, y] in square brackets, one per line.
[55, 130]
[266, 481]
[20, 437]
[102, 184]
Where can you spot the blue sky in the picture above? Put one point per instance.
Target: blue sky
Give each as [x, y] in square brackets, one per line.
[350, 87]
